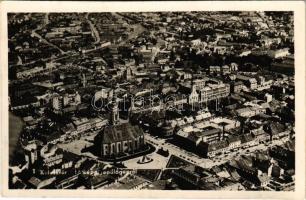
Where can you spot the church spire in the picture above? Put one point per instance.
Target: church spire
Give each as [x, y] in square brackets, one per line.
[114, 109]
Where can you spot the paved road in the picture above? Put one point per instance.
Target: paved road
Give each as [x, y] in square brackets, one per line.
[138, 28]
[93, 29]
[35, 34]
[223, 158]
[179, 152]
[205, 162]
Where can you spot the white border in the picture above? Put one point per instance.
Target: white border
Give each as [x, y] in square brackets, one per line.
[299, 33]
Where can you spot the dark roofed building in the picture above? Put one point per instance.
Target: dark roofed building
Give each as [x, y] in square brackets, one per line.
[118, 140]
[190, 177]
[206, 149]
[97, 181]
[217, 146]
[246, 138]
[233, 142]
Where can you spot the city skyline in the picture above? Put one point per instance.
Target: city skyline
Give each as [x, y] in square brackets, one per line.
[152, 100]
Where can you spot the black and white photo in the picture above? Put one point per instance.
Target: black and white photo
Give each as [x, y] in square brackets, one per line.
[152, 100]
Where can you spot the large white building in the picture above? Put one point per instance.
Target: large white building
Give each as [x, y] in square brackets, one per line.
[279, 53]
[194, 96]
[61, 101]
[250, 82]
[214, 91]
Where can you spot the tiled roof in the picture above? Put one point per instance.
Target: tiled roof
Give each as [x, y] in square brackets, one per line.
[233, 139]
[193, 137]
[217, 146]
[120, 132]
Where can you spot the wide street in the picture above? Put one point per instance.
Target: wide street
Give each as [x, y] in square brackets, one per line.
[179, 152]
[208, 162]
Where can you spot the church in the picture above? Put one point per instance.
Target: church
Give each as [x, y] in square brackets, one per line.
[119, 140]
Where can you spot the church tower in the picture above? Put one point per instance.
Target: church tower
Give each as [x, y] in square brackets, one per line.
[128, 74]
[114, 110]
[194, 96]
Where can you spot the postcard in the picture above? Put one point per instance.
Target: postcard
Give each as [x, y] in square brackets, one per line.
[153, 99]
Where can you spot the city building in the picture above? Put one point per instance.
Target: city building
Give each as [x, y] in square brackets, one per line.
[279, 53]
[61, 101]
[120, 140]
[247, 81]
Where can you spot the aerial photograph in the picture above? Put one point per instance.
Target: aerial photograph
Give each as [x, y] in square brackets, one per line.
[197, 100]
